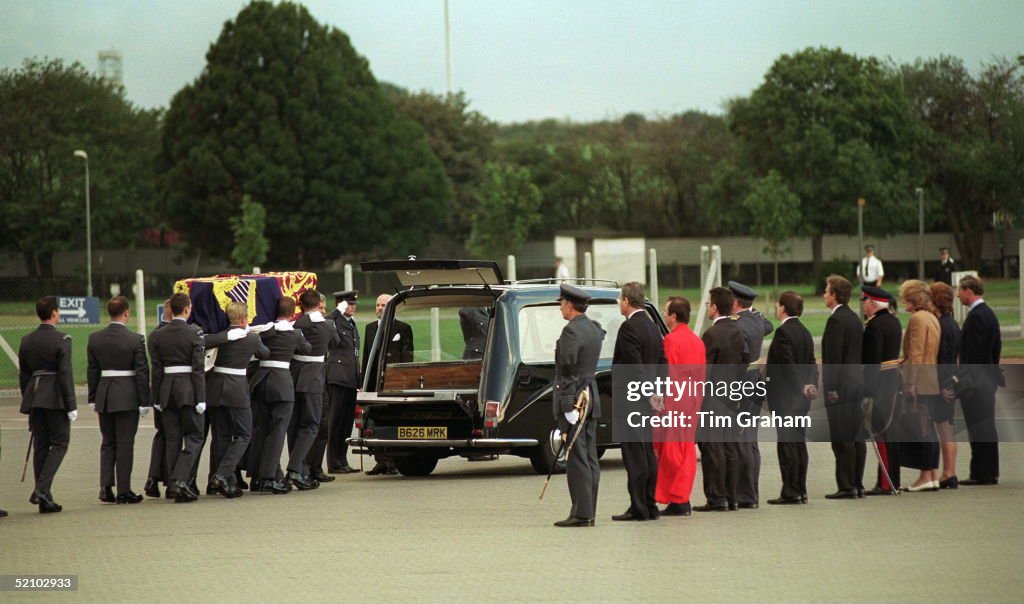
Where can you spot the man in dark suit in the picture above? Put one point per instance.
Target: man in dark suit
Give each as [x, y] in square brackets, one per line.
[791, 380]
[755, 327]
[343, 380]
[177, 354]
[841, 347]
[883, 336]
[727, 361]
[48, 398]
[158, 471]
[947, 266]
[118, 375]
[980, 346]
[309, 376]
[576, 354]
[400, 348]
[474, 321]
[227, 390]
[639, 344]
[274, 398]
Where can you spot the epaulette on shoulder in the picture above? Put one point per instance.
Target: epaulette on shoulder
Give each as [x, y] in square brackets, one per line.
[66, 337]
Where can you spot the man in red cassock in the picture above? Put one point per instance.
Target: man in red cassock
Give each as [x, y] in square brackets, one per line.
[674, 446]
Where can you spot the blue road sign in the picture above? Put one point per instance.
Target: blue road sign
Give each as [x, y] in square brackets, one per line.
[79, 310]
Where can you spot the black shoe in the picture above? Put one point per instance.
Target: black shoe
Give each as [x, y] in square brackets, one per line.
[950, 483]
[3, 513]
[220, 485]
[574, 522]
[211, 489]
[732, 506]
[192, 486]
[382, 468]
[107, 495]
[321, 477]
[48, 506]
[301, 482]
[239, 481]
[677, 509]
[711, 508]
[33, 498]
[152, 488]
[787, 501]
[274, 487]
[879, 491]
[748, 506]
[392, 470]
[860, 492]
[847, 494]
[971, 482]
[627, 516]
[803, 498]
[129, 497]
[345, 469]
[182, 492]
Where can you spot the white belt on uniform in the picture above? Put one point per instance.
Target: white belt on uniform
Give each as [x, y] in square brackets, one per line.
[178, 369]
[117, 373]
[228, 370]
[276, 364]
[308, 359]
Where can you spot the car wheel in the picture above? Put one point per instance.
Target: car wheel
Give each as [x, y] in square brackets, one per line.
[544, 455]
[416, 466]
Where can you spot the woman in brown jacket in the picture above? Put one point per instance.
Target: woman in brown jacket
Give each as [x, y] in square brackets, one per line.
[920, 379]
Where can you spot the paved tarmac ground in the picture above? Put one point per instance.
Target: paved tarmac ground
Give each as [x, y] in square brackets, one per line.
[475, 531]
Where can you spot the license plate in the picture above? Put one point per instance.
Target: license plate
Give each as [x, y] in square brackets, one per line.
[422, 432]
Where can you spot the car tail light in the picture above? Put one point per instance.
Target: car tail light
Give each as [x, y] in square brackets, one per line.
[491, 414]
[367, 433]
[359, 418]
[477, 433]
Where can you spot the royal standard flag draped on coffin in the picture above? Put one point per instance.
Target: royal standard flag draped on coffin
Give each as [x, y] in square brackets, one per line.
[260, 293]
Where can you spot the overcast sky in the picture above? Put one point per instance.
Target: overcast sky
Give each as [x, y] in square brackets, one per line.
[522, 60]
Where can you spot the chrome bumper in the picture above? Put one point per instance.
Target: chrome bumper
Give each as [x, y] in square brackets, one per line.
[472, 443]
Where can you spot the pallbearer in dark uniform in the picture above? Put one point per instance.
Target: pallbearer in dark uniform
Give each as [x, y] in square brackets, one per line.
[48, 398]
[177, 353]
[727, 360]
[474, 321]
[791, 381]
[227, 389]
[309, 376]
[755, 327]
[118, 375]
[639, 345]
[842, 382]
[158, 471]
[883, 335]
[274, 398]
[343, 379]
[576, 354]
[399, 349]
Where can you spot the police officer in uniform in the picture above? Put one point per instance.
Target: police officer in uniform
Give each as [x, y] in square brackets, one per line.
[883, 335]
[343, 380]
[228, 389]
[576, 354]
[177, 353]
[755, 327]
[273, 399]
[48, 398]
[309, 376]
[118, 375]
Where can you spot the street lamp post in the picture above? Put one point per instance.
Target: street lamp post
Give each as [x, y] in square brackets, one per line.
[920, 233]
[88, 226]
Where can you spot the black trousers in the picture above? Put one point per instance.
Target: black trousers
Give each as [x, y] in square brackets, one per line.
[211, 434]
[51, 432]
[302, 429]
[117, 450]
[158, 451]
[583, 472]
[792, 452]
[234, 431]
[845, 420]
[342, 417]
[641, 475]
[271, 421]
[183, 432]
[720, 459]
[748, 463]
[979, 407]
[315, 457]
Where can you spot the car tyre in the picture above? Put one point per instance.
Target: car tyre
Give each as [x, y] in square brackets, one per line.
[543, 456]
[416, 466]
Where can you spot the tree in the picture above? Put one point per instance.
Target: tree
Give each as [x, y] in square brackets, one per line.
[973, 145]
[775, 215]
[47, 111]
[251, 245]
[836, 127]
[287, 112]
[509, 207]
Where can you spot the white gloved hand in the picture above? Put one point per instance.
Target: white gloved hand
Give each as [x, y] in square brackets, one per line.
[72, 415]
[158, 408]
[92, 406]
[572, 416]
[342, 306]
[143, 411]
[236, 334]
[200, 408]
